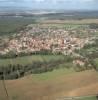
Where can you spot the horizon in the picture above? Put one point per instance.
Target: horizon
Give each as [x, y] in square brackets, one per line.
[49, 4]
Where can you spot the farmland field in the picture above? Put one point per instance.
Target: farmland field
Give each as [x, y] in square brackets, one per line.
[10, 25]
[56, 86]
[83, 21]
[88, 98]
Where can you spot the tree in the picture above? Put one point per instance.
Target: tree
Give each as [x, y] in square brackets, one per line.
[93, 26]
[97, 97]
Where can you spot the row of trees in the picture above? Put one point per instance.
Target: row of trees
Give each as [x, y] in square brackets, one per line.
[17, 71]
[12, 54]
[12, 71]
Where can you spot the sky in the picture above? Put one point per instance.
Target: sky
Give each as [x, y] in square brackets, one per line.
[51, 4]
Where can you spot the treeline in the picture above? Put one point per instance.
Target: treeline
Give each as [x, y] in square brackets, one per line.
[14, 55]
[93, 25]
[17, 71]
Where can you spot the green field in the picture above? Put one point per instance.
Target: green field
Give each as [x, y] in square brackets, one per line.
[10, 25]
[29, 59]
[81, 98]
[52, 75]
[88, 98]
[67, 25]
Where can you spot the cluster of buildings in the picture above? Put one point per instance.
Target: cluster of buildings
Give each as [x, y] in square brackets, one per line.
[54, 39]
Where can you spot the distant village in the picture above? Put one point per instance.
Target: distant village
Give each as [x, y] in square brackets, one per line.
[43, 37]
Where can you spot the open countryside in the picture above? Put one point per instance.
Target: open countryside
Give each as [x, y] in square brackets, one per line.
[42, 59]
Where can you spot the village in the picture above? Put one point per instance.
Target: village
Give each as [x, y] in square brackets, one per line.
[54, 39]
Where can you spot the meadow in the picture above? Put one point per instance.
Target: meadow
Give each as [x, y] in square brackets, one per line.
[10, 25]
[88, 98]
[25, 60]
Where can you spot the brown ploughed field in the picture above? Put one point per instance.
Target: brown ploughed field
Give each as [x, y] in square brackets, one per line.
[75, 84]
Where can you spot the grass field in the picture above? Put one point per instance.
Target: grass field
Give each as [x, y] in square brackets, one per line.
[9, 25]
[88, 98]
[51, 75]
[80, 98]
[62, 84]
[29, 59]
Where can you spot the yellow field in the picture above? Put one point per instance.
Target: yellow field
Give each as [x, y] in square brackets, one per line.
[75, 84]
[83, 21]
